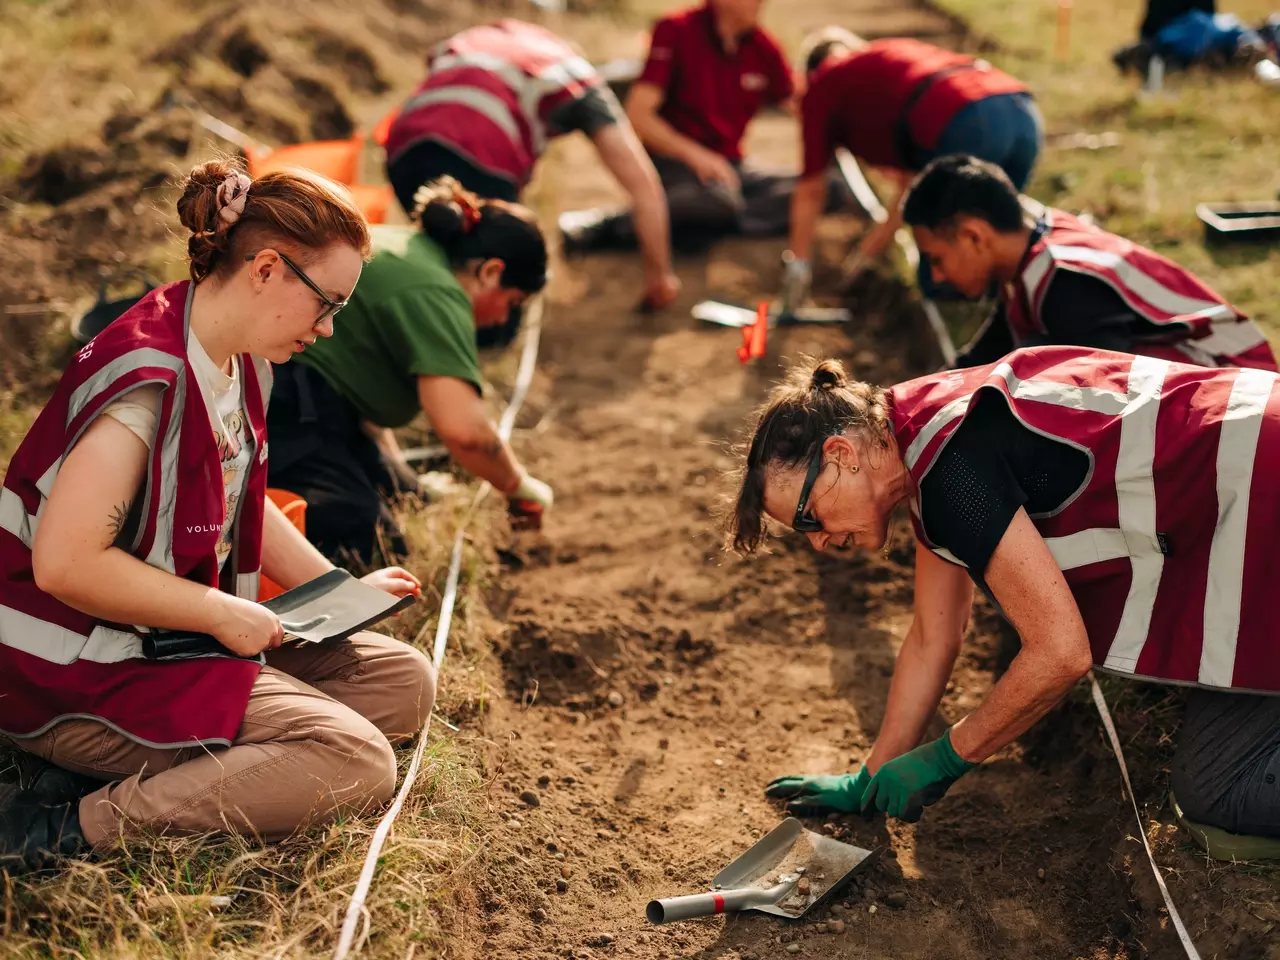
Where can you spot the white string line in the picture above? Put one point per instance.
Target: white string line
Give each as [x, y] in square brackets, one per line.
[862, 190]
[1101, 702]
[356, 908]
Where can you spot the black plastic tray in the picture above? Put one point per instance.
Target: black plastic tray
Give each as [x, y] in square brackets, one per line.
[1256, 222]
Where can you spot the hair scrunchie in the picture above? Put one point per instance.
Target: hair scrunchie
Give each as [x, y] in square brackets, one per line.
[233, 194]
[470, 212]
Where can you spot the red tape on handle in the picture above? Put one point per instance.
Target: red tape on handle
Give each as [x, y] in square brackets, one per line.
[719, 902]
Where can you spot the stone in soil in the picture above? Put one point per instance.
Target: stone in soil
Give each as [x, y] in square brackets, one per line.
[835, 926]
[538, 915]
[837, 909]
[615, 698]
[530, 799]
[803, 885]
[793, 948]
[600, 940]
[566, 872]
[544, 781]
[897, 899]
[562, 886]
[1040, 874]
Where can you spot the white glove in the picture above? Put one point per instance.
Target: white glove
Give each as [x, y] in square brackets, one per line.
[797, 275]
[437, 485]
[534, 490]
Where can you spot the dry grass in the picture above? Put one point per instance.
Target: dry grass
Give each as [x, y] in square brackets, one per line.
[1211, 137]
[155, 898]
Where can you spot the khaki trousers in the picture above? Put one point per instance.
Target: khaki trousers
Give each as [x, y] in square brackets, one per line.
[316, 743]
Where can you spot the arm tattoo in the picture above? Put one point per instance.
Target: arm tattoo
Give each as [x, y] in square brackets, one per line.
[119, 517]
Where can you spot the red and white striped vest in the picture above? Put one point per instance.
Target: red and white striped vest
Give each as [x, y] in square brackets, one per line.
[1170, 545]
[489, 95]
[1196, 325]
[56, 662]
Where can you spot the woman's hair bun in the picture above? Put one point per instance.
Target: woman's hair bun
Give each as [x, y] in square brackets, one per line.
[198, 212]
[442, 220]
[828, 375]
[198, 205]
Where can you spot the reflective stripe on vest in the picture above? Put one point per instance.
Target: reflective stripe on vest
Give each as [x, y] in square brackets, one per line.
[482, 101]
[1136, 537]
[528, 89]
[1168, 302]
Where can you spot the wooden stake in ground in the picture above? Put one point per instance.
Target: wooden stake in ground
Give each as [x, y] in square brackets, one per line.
[1062, 39]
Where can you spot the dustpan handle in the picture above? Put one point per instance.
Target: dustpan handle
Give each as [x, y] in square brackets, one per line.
[710, 904]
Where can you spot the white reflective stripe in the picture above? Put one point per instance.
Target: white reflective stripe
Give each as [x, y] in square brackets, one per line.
[48, 641]
[1143, 285]
[15, 519]
[161, 554]
[1035, 273]
[45, 483]
[1230, 338]
[1088, 546]
[1237, 447]
[266, 378]
[1094, 399]
[506, 71]
[952, 411]
[247, 584]
[1136, 500]
[482, 101]
[114, 370]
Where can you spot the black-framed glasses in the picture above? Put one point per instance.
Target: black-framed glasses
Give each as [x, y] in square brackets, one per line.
[331, 306]
[804, 523]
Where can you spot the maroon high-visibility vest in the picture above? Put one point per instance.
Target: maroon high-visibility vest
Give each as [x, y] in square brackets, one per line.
[1170, 544]
[489, 95]
[1195, 324]
[58, 663]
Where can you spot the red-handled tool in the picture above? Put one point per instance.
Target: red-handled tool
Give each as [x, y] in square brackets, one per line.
[754, 337]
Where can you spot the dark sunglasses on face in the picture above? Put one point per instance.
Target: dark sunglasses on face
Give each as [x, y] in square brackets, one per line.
[804, 523]
[331, 306]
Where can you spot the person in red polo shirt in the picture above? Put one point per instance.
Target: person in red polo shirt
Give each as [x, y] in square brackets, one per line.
[897, 104]
[709, 71]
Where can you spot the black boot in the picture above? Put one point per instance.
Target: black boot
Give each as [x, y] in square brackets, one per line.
[51, 784]
[34, 835]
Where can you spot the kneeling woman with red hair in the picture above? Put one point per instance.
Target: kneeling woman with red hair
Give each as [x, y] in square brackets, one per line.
[1118, 511]
[137, 502]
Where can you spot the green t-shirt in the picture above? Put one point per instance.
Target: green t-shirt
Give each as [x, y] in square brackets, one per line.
[408, 317]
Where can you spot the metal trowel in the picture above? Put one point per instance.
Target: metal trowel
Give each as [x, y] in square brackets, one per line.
[767, 878]
[725, 314]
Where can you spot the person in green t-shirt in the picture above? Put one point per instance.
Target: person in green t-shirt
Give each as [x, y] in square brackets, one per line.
[406, 342]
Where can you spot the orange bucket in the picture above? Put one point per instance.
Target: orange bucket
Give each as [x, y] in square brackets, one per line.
[336, 159]
[295, 510]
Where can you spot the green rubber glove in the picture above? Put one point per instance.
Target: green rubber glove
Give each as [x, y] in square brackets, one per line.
[812, 796]
[905, 785]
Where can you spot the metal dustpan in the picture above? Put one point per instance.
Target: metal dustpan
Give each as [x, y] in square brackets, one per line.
[767, 878]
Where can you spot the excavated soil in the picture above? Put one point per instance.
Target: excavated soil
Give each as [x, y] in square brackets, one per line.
[653, 683]
[656, 683]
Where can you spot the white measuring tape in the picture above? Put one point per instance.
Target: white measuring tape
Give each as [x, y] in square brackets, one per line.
[355, 909]
[1101, 703]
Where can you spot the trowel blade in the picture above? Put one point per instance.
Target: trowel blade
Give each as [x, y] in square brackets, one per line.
[732, 315]
[827, 863]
